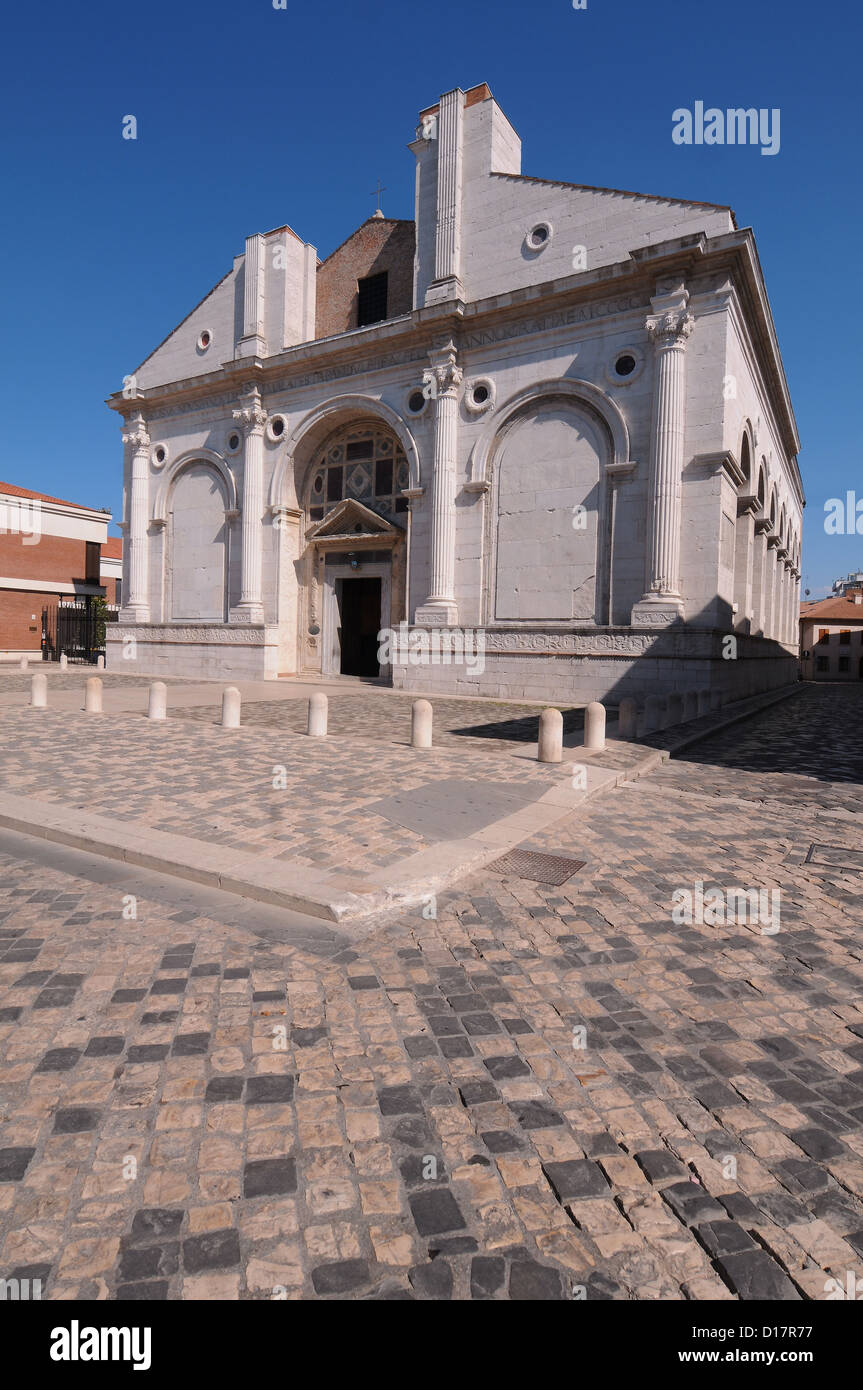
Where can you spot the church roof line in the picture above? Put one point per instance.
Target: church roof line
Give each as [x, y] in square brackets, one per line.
[622, 192]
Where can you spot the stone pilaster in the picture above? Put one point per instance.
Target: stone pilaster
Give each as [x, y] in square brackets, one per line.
[447, 282]
[669, 326]
[252, 418]
[252, 343]
[744, 564]
[442, 382]
[136, 599]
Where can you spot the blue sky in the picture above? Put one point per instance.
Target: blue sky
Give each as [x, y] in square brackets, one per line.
[249, 117]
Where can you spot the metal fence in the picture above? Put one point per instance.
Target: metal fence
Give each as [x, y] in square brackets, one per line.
[73, 630]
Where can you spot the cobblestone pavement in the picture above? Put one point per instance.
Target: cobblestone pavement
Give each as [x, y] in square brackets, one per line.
[541, 1091]
[319, 801]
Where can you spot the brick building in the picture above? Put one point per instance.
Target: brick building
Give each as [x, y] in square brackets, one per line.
[831, 638]
[50, 554]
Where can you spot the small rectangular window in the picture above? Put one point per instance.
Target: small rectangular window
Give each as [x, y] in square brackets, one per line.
[844, 663]
[372, 299]
[845, 637]
[383, 477]
[822, 664]
[334, 484]
[359, 449]
[92, 562]
[823, 634]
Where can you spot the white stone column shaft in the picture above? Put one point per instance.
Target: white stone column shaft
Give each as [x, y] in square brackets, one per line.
[252, 418]
[136, 601]
[444, 378]
[669, 330]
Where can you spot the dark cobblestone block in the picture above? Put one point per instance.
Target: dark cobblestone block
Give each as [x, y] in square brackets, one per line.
[502, 1141]
[55, 998]
[659, 1164]
[190, 1045]
[576, 1178]
[10, 1015]
[150, 1020]
[13, 1163]
[128, 996]
[270, 1177]
[224, 1088]
[341, 1277]
[151, 1223]
[147, 1052]
[399, 1100]
[415, 1167]
[754, 1275]
[419, 1046]
[723, 1238]
[535, 1114]
[816, 1143]
[452, 1048]
[60, 1059]
[529, 1280]
[782, 1208]
[477, 1092]
[206, 970]
[479, 1025]
[433, 1280]
[72, 981]
[435, 1212]
[309, 1037]
[212, 1250]
[487, 1274]
[269, 1090]
[169, 986]
[237, 972]
[466, 1003]
[149, 1261]
[76, 1119]
[364, 982]
[452, 1245]
[105, 1045]
[506, 1068]
[444, 1026]
[692, 1203]
[32, 978]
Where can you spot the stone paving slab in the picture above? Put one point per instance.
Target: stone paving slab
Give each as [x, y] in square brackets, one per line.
[528, 1092]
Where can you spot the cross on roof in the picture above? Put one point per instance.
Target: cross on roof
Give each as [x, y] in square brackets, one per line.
[376, 194]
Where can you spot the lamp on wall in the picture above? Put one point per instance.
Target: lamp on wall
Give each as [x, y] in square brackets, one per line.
[353, 560]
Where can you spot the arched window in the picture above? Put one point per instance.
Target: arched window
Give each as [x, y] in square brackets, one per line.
[364, 462]
[745, 461]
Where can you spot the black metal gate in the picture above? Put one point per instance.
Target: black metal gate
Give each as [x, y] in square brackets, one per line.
[73, 630]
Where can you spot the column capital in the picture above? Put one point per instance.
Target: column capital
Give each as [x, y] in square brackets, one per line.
[445, 375]
[135, 433]
[671, 328]
[251, 416]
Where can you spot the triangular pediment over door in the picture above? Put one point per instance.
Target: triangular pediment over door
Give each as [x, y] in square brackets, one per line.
[352, 522]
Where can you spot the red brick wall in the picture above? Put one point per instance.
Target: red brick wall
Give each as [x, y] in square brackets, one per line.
[18, 631]
[381, 244]
[54, 559]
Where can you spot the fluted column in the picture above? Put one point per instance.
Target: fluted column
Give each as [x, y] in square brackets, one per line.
[442, 383]
[136, 600]
[669, 328]
[252, 418]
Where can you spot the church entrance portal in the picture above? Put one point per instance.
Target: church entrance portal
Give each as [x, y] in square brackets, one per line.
[359, 603]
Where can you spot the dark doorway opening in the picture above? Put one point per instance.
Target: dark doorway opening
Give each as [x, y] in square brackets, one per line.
[360, 613]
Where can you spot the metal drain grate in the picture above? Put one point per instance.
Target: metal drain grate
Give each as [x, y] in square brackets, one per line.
[835, 857]
[539, 868]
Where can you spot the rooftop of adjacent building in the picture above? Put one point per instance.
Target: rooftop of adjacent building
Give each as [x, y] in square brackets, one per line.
[834, 609]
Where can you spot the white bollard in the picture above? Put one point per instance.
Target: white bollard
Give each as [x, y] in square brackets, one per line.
[231, 707]
[654, 714]
[627, 719]
[550, 749]
[703, 701]
[24, 663]
[690, 706]
[422, 720]
[100, 663]
[64, 661]
[317, 725]
[594, 726]
[93, 695]
[158, 703]
[39, 692]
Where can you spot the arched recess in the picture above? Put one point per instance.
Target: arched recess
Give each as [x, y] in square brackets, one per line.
[591, 398]
[317, 425]
[193, 506]
[546, 462]
[193, 456]
[744, 538]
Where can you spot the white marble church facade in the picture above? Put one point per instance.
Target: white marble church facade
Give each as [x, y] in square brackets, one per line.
[552, 413]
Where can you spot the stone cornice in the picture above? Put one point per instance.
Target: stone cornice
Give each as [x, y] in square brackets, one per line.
[629, 283]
